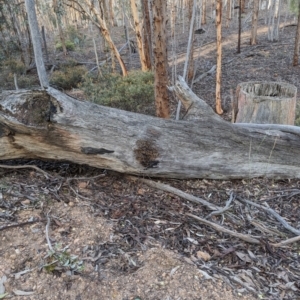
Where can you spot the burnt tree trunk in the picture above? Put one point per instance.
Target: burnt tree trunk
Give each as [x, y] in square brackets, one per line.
[48, 124]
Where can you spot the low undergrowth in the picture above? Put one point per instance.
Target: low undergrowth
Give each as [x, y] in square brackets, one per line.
[134, 92]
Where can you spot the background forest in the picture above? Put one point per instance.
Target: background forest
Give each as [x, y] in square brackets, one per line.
[125, 53]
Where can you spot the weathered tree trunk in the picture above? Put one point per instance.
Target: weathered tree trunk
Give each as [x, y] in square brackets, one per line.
[219, 109]
[48, 124]
[253, 39]
[160, 58]
[297, 40]
[36, 42]
[266, 103]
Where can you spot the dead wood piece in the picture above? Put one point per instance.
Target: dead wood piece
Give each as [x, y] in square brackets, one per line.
[47, 124]
[209, 72]
[167, 188]
[25, 167]
[244, 237]
[266, 103]
[286, 242]
[273, 213]
[225, 208]
[20, 224]
[47, 232]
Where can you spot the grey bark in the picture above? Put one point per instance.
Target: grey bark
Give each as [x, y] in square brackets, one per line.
[36, 42]
[202, 145]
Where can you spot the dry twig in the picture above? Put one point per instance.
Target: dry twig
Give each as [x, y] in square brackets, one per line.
[244, 237]
[25, 167]
[20, 224]
[273, 213]
[47, 232]
[167, 188]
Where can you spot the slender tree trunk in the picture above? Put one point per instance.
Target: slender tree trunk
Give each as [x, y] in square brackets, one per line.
[203, 19]
[240, 28]
[57, 6]
[297, 40]
[160, 58]
[219, 109]
[253, 39]
[36, 42]
[138, 32]
[45, 43]
[242, 6]
[192, 11]
[147, 38]
[228, 12]
[112, 13]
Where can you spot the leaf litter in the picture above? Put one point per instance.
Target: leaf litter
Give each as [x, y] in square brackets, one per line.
[115, 221]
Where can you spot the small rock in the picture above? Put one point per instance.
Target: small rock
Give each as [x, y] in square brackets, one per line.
[71, 203]
[13, 256]
[25, 202]
[203, 255]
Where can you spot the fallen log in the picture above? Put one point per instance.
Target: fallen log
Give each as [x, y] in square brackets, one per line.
[48, 124]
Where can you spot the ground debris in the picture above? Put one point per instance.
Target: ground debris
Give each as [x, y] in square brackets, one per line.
[125, 232]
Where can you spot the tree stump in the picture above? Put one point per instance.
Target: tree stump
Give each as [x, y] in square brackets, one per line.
[265, 103]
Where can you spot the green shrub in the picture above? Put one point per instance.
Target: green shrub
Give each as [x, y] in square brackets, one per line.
[15, 66]
[27, 82]
[69, 45]
[68, 77]
[76, 37]
[134, 92]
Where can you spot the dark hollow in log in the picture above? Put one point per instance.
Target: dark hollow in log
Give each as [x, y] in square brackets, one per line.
[265, 103]
[48, 124]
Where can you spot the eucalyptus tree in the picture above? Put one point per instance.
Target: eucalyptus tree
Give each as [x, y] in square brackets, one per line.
[159, 11]
[87, 9]
[143, 48]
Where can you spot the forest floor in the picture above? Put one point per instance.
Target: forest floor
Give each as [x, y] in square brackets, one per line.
[82, 233]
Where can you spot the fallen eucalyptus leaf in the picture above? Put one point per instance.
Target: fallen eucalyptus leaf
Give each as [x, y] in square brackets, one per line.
[242, 256]
[174, 270]
[22, 293]
[3, 295]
